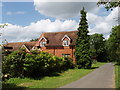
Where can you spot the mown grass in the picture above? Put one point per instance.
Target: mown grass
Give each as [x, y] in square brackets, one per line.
[117, 76]
[51, 82]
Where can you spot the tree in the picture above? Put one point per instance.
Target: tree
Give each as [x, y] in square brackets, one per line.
[34, 39]
[82, 53]
[2, 26]
[109, 4]
[97, 44]
[114, 44]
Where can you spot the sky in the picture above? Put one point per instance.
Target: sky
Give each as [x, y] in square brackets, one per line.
[27, 20]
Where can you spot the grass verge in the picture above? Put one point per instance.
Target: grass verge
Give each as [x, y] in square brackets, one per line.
[117, 76]
[50, 82]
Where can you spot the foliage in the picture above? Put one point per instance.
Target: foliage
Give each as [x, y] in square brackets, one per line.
[82, 48]
[113, 44]
[117, 76]
[109, 4]
[56, 81]
[97, 46]
[5, 53]
[13, 63]
[34, 40]
[2, 26]
[35, 64]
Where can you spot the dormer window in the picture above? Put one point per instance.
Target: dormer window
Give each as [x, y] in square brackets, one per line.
[65, 43]
[42, 44]
[43, 41]
[66, 40]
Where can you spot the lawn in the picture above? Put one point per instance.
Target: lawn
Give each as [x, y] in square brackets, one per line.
[53, 81]
[117, 76]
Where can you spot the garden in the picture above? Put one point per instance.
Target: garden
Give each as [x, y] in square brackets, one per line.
[41, 70]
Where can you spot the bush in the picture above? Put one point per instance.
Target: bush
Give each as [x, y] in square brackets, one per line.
[13, 63]
[68, 63]
[35, 64]
[118, 61]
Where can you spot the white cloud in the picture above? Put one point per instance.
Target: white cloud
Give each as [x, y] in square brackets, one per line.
[15, 33]
[113, 16]
[103, 24]
[9, 13]
[67, 0]
[64, 10]
[18, 12]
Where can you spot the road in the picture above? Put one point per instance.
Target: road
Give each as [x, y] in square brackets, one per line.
[102, 77]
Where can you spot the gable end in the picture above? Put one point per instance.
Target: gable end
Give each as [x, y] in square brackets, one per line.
[66, 36]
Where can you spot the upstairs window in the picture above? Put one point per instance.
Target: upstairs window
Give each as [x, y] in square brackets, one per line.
[66, 40]
[42, 44]
[65, 43]
[43, 41]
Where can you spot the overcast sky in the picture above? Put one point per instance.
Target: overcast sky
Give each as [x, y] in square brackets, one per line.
[27, 20]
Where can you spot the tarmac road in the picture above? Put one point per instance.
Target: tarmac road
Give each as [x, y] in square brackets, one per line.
[102, 77]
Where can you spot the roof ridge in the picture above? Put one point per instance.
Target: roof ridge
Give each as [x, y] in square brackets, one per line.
[60, 32]
[22, 42]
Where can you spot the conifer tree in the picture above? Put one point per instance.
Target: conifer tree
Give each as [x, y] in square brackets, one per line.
[82, 48]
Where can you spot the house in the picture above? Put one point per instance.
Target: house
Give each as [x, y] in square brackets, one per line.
[17, 45]
[58, 43]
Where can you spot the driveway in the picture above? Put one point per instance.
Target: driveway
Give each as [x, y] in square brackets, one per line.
[102, 77]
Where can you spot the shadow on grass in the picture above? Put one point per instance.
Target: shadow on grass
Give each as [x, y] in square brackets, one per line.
[116, 64]
[55, 74]
[89, 68]
[93, 68]
[11, 86]
[14, 87]
[40, 77]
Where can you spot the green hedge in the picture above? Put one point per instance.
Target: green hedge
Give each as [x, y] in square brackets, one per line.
[22, 64]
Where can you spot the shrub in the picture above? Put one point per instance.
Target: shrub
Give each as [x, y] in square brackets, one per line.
[35, 64]
[13, 63]
[68, 63]
[29, 64]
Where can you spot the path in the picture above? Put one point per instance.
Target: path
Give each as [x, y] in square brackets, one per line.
[102, 77]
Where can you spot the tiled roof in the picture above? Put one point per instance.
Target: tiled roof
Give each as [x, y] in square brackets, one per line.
[54, 38]
[18, 45]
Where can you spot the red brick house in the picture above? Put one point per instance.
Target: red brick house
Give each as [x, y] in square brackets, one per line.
[17, 45]
[58, 43]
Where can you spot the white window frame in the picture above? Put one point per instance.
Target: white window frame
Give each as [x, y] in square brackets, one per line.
[43, 38]
[67, 43]
[42, 43]
[66, 55]
[66, 36]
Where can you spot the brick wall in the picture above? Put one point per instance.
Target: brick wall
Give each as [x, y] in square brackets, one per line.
[60, 50]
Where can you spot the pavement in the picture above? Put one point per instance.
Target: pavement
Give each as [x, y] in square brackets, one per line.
[102, 77]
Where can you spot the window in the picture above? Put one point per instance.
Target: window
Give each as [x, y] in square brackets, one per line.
[65, 43]
[42, 44]
[65, 55]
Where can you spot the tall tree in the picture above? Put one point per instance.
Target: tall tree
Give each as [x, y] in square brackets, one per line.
[114, 44]
[82, 53]
[98, 50]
